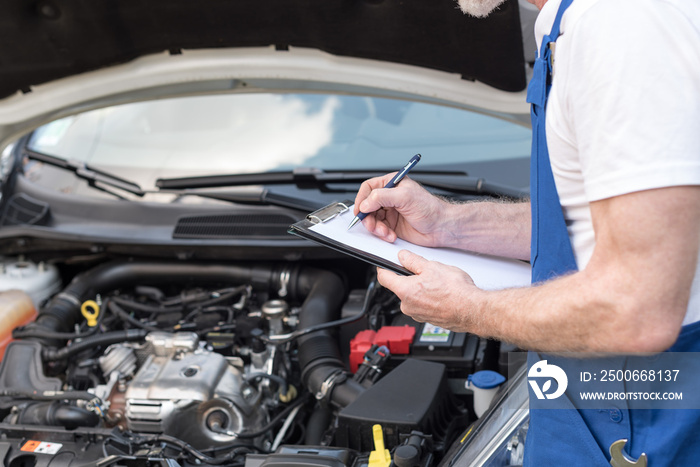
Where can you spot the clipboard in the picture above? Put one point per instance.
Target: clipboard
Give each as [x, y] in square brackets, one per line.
[303, 229]
[328, 227]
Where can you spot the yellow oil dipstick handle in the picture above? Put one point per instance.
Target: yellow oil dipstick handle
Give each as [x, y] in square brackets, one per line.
[90, 311]
[380, 457]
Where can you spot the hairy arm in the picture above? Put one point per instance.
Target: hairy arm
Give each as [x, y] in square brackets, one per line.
[489, 227]
[631, 297]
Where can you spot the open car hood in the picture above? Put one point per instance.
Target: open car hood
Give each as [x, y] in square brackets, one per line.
[63, 57]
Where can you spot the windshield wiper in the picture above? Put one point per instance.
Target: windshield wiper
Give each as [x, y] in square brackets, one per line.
[455, 182]
[258, 197]
[466, 185]
[85, 172]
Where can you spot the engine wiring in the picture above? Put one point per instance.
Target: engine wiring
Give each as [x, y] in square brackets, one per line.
[282, 339]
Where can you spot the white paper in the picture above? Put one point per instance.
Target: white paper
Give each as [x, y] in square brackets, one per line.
[488, 272]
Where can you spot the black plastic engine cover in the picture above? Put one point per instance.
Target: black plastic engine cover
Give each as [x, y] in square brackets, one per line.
[414, 396]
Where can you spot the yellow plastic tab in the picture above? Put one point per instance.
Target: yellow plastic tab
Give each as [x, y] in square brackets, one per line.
[380, 457]
[290, 396]
[90, 310]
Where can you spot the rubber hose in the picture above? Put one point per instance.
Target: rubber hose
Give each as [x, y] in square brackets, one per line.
[108, 338]
[57, 414]
[319, 421]
[319, 355]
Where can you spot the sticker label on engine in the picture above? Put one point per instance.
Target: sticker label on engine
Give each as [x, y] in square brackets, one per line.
[432, 333]
[41, 447]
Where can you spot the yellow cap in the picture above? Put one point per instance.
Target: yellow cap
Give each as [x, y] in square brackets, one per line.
[90, 310]
[290, 396]
[380, 457]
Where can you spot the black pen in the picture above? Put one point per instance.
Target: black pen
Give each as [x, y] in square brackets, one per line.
[392, 183]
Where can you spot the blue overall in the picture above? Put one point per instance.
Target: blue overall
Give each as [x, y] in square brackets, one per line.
[568, 436]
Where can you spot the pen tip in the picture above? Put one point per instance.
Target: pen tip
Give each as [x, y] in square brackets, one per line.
[354, 221]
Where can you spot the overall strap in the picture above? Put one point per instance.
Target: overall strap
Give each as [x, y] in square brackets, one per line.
[551, 253]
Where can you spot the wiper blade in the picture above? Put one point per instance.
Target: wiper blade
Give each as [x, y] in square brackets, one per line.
[259, 197]
[470, 185]
[455, 182]
[85, 172]
[302, 177]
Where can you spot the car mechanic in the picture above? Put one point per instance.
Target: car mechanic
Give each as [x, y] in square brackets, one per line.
[612, 228]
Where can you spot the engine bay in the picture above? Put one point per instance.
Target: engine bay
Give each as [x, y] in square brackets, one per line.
[151, 362]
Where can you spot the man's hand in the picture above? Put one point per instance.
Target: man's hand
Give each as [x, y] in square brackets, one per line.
[407, 211]
[436, 293]
[410, 212]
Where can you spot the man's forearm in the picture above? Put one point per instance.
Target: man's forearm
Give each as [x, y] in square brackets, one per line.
[578, 313]
[489, 227]
[564, 315]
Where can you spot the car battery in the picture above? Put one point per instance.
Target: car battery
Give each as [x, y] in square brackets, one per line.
[454, 349]
[397, 339]
[461, 353]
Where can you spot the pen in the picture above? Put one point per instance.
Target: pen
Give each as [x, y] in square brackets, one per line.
[392, 183]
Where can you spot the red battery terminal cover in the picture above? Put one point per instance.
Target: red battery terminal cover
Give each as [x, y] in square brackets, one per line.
[397, 339]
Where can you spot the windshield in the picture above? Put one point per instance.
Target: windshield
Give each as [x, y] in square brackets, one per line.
[250, 133]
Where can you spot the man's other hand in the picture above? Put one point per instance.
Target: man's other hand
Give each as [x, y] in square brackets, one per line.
[438, 294]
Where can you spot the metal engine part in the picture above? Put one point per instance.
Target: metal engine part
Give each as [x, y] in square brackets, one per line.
[118, 358]
[190, 393]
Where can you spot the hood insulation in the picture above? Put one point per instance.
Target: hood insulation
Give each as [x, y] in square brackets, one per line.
[50, 39]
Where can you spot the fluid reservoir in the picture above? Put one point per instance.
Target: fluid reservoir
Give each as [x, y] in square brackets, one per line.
[40, 281]
[16, 309]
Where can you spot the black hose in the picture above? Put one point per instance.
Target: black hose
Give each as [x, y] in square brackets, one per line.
[30, 331]
[22, 333]
[57, 414]
[179, 308]
[121, 313]
[48, 395]
[281, 382]
[322, 366]
[144, 307]
[186, 448]
[318, 423]
[286, 338]
[109, 338]
[275, 420]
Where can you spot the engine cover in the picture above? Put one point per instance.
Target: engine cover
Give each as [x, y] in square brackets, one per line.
[190, 393]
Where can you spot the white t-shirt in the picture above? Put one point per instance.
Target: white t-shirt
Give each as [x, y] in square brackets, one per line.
[624, 110]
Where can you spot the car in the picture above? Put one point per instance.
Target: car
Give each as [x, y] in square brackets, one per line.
[155, 309]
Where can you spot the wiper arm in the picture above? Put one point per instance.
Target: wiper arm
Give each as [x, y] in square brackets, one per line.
[85, 172]
[456, 182]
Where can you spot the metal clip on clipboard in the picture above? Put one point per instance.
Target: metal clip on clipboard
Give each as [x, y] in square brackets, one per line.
[304, 229]
[328, 212]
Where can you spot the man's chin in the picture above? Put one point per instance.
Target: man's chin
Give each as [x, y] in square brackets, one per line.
[479, 8]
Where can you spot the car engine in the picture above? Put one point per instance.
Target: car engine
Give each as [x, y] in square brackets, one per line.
[135, 362]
